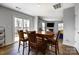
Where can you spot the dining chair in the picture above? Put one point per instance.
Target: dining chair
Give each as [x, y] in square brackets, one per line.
[36, 43]
[22, 39]
[54, 41]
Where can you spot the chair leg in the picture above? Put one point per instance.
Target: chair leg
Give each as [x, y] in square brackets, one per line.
[26, 43]
[51, 46]
[23, 48]
[28, 50]
[19, 46]
[56, 49]
[44, 52]
[36, 52]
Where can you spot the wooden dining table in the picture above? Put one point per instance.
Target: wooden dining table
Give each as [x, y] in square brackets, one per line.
[46, 35]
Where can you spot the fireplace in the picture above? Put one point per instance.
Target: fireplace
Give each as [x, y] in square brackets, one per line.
[51, 30]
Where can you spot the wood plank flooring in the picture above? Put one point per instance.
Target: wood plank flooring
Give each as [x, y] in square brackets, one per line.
[13, 50]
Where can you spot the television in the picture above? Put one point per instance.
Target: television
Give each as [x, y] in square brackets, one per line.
[50, 24]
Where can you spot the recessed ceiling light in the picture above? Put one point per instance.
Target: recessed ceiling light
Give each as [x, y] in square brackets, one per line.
[18, 8]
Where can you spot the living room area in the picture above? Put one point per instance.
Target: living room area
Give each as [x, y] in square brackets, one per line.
[41, 21]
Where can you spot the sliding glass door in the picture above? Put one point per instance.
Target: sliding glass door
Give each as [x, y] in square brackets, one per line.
[20, 24]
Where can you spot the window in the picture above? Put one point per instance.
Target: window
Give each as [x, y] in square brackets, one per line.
[18, 23]
[21, 24]
[43, 26]
[60, 26]
[26, 24]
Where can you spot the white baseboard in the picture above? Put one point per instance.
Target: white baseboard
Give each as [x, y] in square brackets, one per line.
[69, 44]
[8, 43]
[77, 48]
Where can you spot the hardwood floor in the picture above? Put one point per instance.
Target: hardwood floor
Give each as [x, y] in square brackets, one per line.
[13, 50]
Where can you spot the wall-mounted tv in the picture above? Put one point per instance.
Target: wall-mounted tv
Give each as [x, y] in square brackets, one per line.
[50, 24]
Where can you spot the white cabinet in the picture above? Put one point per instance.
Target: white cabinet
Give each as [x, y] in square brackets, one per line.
[2, 36]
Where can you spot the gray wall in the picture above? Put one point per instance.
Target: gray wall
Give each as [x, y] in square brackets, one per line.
[40, 20]
[36, 23]
[7, 20]
[69, 26]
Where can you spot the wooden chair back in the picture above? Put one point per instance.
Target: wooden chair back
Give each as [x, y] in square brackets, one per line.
[38, 44]
[58, 34]
[32, 36]
[21, 34]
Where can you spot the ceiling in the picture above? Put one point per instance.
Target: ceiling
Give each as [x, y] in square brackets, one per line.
[45, 10]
